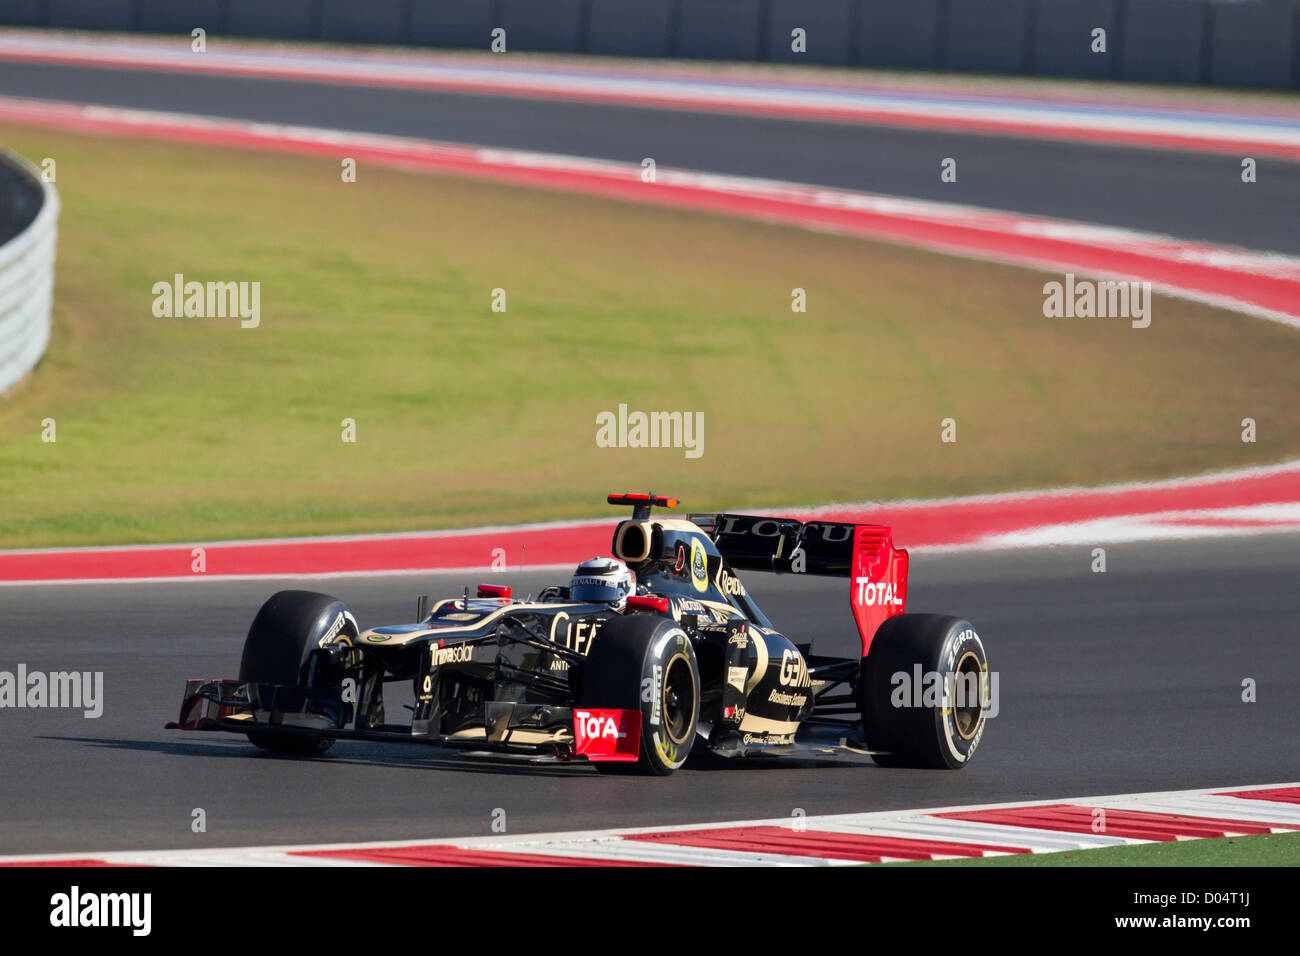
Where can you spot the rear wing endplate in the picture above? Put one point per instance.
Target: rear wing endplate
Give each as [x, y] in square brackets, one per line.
[864, 553]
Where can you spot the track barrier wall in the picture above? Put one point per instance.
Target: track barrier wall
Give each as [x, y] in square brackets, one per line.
[29, 213]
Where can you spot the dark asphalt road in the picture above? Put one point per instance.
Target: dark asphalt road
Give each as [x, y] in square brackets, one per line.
[1188, 195]
[1109, 683]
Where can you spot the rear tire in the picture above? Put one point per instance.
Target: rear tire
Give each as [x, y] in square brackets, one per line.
[645, 662]
[289, 626]
[937, 725]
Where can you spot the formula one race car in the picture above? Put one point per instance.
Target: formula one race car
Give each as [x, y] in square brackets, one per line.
[644, 658]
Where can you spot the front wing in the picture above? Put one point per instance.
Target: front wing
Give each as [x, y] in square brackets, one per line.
[565, 732]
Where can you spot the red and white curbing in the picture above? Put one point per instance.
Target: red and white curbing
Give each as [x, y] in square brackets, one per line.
[1241, 502]
[1262, 284]
[836, 840]
[1247, 501]
[975, 107]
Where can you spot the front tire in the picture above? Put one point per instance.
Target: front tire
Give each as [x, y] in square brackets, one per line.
[647, 663]
[939, 724]
[289, 626]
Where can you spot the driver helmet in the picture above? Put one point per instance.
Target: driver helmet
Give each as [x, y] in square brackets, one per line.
[603, 581]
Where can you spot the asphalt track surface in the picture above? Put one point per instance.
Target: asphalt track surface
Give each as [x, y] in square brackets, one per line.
[1108, 683]
[1188, 195]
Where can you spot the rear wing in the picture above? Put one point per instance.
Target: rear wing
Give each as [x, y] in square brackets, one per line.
[864, 553]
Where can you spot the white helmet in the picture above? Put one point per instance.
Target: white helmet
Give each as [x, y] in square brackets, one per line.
[603, 581]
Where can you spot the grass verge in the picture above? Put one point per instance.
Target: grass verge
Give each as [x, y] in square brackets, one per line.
[376, 306]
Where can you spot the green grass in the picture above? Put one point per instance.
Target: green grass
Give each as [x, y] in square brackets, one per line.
[1274, 849]
[375, 300]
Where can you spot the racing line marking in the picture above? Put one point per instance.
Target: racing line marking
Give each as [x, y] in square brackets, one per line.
[840, 839]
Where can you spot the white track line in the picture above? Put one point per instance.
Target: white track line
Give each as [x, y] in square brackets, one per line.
[643, 851]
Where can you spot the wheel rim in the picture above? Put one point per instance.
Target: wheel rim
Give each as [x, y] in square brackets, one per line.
[967, 687]
[678, 699]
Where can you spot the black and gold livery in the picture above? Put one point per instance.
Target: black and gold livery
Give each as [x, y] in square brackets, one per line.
[692, 653]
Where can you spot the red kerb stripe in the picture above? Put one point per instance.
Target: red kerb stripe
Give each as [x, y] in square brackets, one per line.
[1276, 795]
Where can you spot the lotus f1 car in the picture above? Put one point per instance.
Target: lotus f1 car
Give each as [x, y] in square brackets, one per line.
[688, 664]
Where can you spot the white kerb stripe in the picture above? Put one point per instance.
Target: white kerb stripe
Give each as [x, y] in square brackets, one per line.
[660, 851]
[973, 832]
